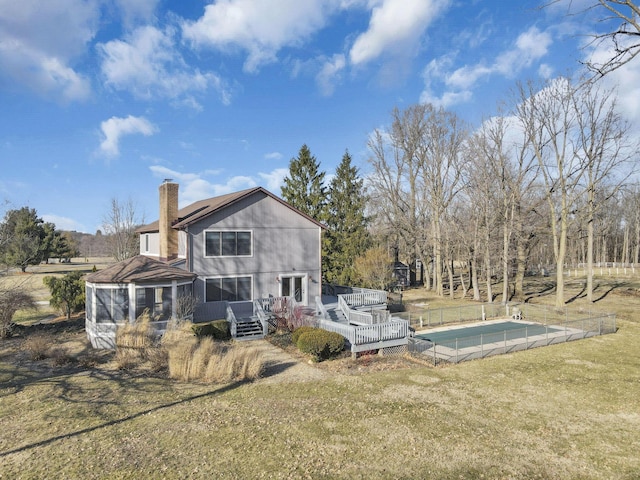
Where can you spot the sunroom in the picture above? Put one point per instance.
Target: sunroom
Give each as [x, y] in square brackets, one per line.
[122, 292]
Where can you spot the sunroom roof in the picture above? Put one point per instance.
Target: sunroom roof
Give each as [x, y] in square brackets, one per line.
[139, 269]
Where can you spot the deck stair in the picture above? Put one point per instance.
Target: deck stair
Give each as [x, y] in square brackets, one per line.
[248, 328]
[335, 315]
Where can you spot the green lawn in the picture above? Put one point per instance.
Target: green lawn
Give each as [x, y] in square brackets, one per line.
[569, 411]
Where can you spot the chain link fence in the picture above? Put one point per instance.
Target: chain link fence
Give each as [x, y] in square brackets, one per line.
[542, 326]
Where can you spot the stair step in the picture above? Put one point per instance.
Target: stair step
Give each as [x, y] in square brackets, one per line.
[248, 329]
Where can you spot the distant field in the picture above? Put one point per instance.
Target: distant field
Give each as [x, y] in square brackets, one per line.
[32, 280]
[568, 411]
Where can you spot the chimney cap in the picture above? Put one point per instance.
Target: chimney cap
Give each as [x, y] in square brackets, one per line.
[168, 180]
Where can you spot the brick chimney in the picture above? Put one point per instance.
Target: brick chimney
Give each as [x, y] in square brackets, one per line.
[168, 215]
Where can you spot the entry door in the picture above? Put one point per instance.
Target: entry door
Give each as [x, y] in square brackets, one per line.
[294, 286]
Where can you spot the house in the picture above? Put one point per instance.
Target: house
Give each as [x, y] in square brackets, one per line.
[225, 251]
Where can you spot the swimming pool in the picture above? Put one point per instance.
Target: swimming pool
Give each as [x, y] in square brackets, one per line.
[474, 335]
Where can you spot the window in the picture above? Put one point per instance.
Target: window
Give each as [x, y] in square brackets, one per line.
[227, 244]
[156, 299]
[112, 305]
[146, 242]
[231, 289]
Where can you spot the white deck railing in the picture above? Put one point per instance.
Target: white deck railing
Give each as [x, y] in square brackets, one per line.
[369, 335]
[259, 312]
[365, 297]
[231, 318]
[353, 316]
[347, 303]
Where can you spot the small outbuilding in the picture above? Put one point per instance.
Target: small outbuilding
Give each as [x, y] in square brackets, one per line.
[122, 292]
[401, 275]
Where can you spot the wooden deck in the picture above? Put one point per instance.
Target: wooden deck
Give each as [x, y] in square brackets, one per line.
[364, 330]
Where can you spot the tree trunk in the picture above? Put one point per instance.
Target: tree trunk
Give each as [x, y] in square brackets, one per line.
[590, 246]
[474, 277]
[438, 258]
[487, 263]
[505, 262]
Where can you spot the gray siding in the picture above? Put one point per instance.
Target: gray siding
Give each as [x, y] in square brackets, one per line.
[283, 243]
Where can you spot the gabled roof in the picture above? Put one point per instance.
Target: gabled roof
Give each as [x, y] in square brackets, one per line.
[139, 269]
[203, 208]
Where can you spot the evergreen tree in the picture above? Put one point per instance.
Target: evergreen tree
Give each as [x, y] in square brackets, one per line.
[22, 238]
[67, 292]
[347, 236]
[304, 186]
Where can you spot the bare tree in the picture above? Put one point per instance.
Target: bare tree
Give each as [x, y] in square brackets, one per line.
[622, 35]
[481, 194]
[416, 175]
[441, 148]
[13, 298]
[394, 182]
[549, 119]
[602, 139]
[120, 224]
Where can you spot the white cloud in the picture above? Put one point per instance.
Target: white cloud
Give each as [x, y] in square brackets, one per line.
[259, 27]
[148, 64]
[194, 187]
[395, 27]
[545, 70]
[467, 76]
[275, 179]
[273, 156]
[114, 128]
[530, 46]
[329, 74]
[137, 10]
[64, 223]
[39, 42]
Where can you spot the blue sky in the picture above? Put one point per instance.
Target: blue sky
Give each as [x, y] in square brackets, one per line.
[103, 99]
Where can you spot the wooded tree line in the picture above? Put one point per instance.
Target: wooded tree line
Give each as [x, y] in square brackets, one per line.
[547, 181]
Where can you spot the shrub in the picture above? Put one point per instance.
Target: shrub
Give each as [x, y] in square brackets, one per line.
[299, 331]
[60, 356]
[37, 345]
[320, 343]
[218, 329]
[177, 332]
[12, 299]
[126, 359]
[158, 358]
[67, 292]
[200, 358]
[301, 316]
